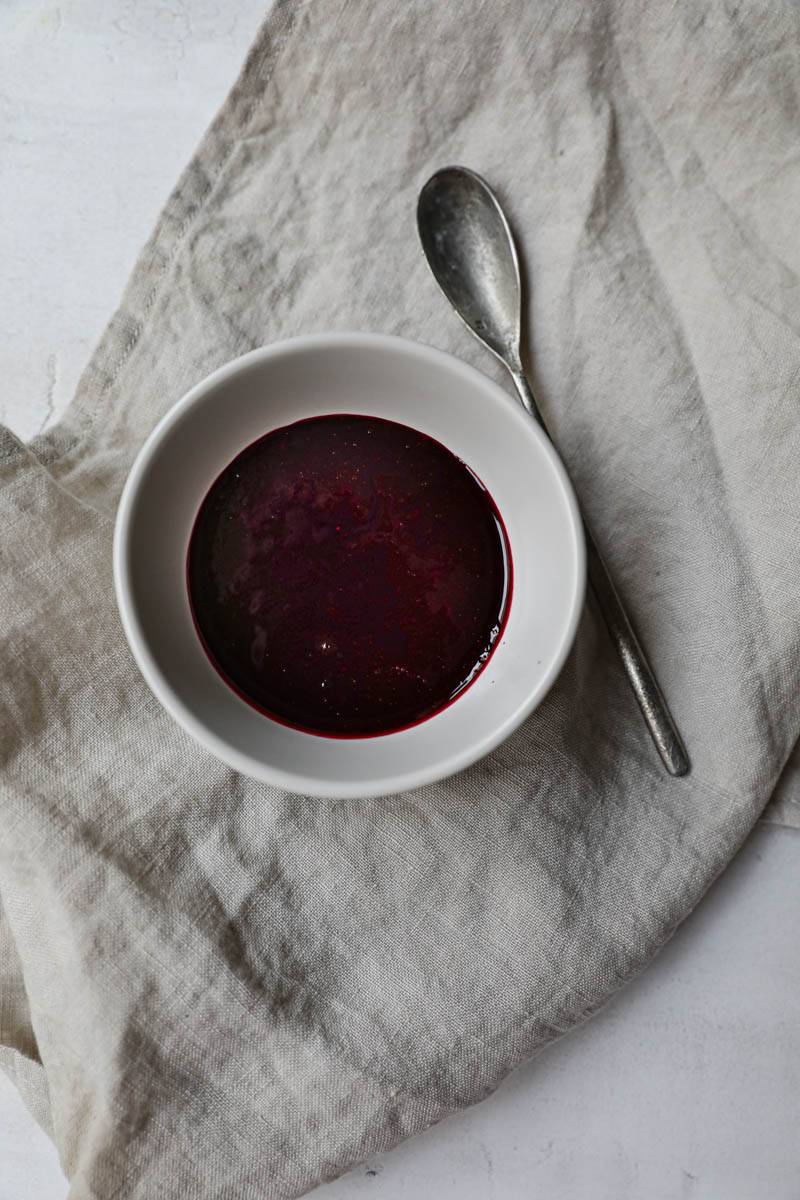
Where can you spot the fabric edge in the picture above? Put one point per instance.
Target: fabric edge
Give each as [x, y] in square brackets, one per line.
[30, 1080]
[70, 436]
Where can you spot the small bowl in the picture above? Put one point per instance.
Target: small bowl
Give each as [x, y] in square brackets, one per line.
[373, 375]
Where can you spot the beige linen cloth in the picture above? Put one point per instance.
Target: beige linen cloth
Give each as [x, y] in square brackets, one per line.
[212, 988]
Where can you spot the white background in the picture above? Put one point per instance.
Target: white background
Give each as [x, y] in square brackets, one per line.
[688, 1084]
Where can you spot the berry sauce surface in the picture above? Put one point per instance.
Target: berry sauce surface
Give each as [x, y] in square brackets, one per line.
[348, 575]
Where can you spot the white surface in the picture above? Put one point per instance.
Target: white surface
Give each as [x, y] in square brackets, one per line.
[101, 105]
[380, 376]
[29, 1168]
[688, 1084]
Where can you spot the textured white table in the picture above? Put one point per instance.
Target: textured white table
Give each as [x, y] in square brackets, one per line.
[688, 1084]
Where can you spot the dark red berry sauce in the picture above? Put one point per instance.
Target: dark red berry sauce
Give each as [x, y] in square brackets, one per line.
[348, 575]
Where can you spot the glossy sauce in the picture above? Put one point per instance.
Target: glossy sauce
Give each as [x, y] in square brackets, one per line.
[348, 575]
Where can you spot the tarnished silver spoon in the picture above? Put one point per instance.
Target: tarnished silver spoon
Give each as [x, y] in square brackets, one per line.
[470, 249]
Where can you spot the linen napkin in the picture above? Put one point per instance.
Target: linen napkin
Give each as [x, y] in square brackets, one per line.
[214, 988]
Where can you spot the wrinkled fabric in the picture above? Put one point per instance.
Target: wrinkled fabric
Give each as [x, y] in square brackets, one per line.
[214, 988]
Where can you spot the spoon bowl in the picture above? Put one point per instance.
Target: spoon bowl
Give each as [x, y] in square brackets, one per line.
[469, 248]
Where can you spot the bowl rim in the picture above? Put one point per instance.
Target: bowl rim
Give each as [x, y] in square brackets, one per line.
[254, 768]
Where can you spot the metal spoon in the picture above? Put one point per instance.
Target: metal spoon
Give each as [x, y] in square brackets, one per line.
[470, 249]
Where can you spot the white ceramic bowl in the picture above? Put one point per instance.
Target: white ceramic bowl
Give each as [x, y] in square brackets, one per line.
[378, 376]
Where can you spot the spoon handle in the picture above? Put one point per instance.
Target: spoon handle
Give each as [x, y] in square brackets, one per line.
[645, 687]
